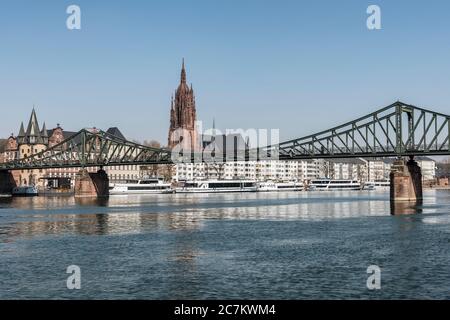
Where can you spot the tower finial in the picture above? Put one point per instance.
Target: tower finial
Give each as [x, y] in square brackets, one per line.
[183, 73]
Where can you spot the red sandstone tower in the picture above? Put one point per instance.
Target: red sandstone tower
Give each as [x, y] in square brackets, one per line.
[183, 115]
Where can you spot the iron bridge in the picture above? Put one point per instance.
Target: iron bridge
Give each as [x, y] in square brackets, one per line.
[397, 130]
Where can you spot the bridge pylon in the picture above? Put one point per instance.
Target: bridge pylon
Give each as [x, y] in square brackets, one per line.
[7, 182]
[406, 183]
[91, 184]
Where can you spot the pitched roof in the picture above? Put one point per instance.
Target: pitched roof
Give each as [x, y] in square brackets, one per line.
[44, 131]
[116, 132]
[33, 126]
[21, 131]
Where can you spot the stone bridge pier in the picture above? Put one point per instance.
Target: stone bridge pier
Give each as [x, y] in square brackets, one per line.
[91, 184]
[7, 182]
[406, 185]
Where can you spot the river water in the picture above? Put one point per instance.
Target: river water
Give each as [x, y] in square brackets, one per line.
[305, 245]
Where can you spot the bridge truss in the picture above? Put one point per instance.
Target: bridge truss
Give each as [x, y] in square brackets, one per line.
[397, 130]
[91, 148]
[394, 131]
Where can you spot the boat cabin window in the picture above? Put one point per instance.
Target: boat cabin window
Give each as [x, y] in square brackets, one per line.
[149, 181]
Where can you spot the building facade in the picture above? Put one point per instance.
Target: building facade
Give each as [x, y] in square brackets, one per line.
[428, 167]
[378, 169]
[302, 171]
[34, 140]
[11, 151]
[274, 170]
[31, 142]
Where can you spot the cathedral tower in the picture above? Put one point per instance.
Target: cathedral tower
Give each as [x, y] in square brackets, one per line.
[183, 116]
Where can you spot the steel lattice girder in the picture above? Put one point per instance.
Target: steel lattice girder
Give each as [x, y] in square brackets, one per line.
[89, 149]
[394, 131]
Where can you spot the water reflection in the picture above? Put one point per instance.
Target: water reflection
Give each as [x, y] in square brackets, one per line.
[96, 202]
[28, 217]
[406, 207]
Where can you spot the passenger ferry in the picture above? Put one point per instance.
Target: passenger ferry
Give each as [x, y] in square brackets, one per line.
[334, 185]
[25, 191]
[279, 186]
[369, 186]
[144, 186]
[215, 186]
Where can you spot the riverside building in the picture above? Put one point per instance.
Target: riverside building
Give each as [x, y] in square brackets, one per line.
[36, 139]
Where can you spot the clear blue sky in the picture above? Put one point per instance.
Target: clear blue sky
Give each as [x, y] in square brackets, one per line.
[300, 66]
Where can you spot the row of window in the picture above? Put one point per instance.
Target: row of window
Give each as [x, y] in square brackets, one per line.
[124, 168]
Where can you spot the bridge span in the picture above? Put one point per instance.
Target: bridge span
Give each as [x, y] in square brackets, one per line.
[399, 130]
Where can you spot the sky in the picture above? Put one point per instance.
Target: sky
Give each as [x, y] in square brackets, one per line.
[297, 66]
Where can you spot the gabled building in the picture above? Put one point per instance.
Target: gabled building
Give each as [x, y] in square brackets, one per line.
[11, 149]
[35, 139]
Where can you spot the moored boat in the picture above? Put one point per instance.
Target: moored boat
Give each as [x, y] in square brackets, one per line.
[215, 186]
[25, 191]
[334, 185]
[279, 186]
[378, 185]
[143, 186]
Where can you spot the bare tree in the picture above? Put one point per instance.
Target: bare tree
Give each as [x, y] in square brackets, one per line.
[215, 167]
[447, 167]
[3, 143]
[167, 171]
[443, 168]
[152, 143]
[164, 170]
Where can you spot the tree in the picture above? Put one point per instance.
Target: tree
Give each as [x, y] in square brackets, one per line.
[3, 143]
[167, 171]
[447, 167]
[215, 167]
[152, 143]
[443, 168]
[164, 170]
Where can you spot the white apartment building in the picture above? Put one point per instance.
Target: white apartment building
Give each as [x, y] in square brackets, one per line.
[253, 170]
[344, 169]
[123, 172]
[278, 170]
[428, 168]
[378, 170]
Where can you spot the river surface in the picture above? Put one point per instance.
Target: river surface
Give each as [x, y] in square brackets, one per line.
[304, 245]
